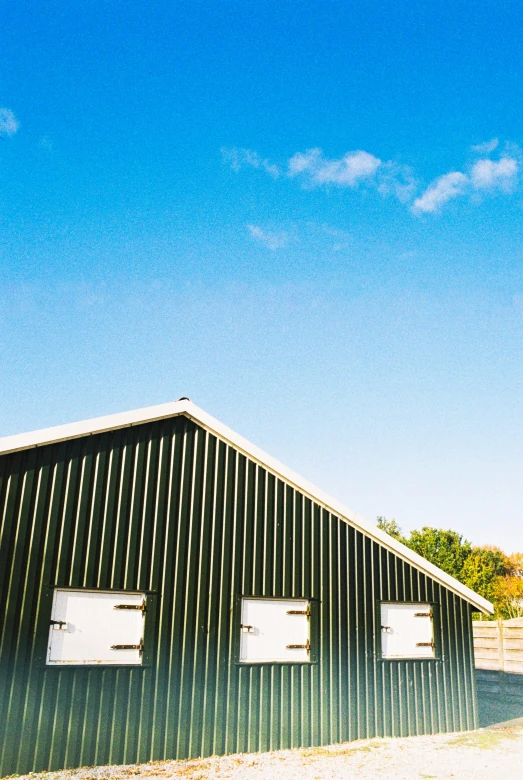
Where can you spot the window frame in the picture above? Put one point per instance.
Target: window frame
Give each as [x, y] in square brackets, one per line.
[147, 657]
[436, 631]
[314, 635]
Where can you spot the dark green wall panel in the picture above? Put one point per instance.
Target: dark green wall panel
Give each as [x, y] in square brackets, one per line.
[169, 508]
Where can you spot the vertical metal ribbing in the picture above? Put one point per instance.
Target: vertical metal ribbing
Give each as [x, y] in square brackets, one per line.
[170, 508]
[244, 567]
[92, 493]
[161, 580]
[222, 575]
[147, 507]
[213, 732]
[458, 699]
[435, 691]
[170, 634]
[471, 687]
[358, 624]
[199, 595]
[461, 667]
[374, 637]
[19, 492]
[347, 563]
[368, 619]
[441, 668]
[152, 540]
[462, 650]
[230, 518]
[210, 600]
[334, 621]
[186, 598]
[448, 671]
[28, 533]
[107, 510]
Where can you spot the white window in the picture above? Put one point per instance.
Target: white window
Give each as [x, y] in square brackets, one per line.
[274, 630]
[96, 627]
[407, 631]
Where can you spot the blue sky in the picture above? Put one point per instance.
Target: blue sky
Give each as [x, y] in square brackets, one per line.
[307, 217]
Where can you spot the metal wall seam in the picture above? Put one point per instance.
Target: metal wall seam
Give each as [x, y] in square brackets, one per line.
[168, 507]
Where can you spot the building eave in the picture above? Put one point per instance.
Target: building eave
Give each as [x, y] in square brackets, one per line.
[40, 438]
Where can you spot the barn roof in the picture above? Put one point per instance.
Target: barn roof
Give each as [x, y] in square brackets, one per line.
[185, 407]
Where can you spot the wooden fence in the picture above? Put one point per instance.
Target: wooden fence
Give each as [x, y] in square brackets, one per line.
[499, 646]
[498, 649]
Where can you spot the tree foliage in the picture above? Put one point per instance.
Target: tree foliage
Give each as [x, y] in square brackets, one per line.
[390, 527]
[508, 596]
[482, 568]
[446, 549]
[515, 563]
[486, 570]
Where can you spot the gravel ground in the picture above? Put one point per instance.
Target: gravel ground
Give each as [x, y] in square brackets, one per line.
[487, 753]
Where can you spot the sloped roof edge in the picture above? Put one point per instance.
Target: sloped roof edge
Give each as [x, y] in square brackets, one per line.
[58, 433]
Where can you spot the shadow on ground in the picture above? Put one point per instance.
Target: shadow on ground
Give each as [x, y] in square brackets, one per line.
[500, 697]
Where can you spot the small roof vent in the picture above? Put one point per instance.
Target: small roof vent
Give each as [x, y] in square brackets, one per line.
[184, 398]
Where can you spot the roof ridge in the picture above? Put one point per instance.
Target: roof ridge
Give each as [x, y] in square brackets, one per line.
[40, 438]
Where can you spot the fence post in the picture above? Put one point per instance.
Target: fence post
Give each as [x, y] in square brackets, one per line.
[501, 645]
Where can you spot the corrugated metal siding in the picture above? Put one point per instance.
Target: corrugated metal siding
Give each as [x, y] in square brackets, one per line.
[168, 508]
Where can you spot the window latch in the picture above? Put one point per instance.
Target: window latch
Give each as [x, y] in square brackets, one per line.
[305, 612]
[423, 614]
[306, 647]
[59, 625]
[247, 629]
[386, 629]
[425, 644]
[129, 647]
[141, 606]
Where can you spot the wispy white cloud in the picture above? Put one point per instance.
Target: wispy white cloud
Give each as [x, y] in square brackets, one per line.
[396, 180]
[246, 158]
[484, 175]
[490, 174]
[8, 122]
[271, 239]
[312, 169]
[487, 147]
[443, 189]
[347, 171]
[352, 169]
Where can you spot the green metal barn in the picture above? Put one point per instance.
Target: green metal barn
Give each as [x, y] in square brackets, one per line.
[169, 590]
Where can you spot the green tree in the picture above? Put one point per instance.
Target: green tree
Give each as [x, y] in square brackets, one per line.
[446, 549]
[508, 597]
[515, 565]
[507, 590]
[390, 527]
[482, 567]
[486, 570]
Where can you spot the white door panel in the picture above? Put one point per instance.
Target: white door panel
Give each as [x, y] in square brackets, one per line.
[91, 624]
[268, 629]
[406, 631]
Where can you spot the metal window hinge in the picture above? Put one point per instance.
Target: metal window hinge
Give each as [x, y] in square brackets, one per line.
[306, 647]
[59, 625]
[141, 606]
[305, 612]
[423, 614]
[425, 644]
[129, 647]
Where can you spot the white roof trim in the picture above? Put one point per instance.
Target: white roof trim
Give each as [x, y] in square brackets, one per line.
[24, 441]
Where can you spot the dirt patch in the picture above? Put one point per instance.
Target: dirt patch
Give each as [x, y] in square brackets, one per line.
[485, 740]
[479, 755]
